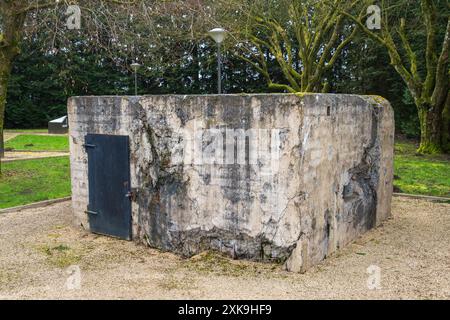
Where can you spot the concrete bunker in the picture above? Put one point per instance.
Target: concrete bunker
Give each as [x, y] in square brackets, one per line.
[278, 177]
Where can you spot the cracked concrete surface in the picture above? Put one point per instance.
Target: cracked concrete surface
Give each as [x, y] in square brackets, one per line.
[308, 173]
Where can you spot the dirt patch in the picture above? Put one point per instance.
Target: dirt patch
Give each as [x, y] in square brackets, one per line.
[37, 246]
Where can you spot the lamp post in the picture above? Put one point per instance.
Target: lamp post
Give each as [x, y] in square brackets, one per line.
[135, 66]
[218, 34]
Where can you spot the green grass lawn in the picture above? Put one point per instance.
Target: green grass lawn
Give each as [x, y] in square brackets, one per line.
[29, 181]
[30, 142]
[420, 174]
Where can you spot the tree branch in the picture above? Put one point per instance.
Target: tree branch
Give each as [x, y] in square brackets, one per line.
[442, 74]
[409, 51]
[429, 12]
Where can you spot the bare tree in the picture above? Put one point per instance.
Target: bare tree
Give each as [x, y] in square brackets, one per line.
[124, 28]
[429, 90]
[305, 38]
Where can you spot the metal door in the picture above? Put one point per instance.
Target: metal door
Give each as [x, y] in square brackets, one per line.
[109, 208]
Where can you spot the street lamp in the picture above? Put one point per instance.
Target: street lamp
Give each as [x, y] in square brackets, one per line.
[135, 66]
[218, 34]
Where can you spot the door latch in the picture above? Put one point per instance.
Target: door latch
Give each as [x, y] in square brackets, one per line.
[132, 195]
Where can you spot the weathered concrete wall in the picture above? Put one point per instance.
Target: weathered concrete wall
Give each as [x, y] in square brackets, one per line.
[314, 172]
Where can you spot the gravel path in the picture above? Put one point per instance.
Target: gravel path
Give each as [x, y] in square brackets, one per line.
[37, 246]
[9, 135]
[27, 155]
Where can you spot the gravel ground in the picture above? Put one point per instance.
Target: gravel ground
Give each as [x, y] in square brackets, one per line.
[38, 245]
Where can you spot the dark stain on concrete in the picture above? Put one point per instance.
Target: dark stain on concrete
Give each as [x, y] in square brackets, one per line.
[236, 244]
[360, 194]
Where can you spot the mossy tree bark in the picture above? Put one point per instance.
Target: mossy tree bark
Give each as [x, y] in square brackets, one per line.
[432, 126]
[5, 71]
[12, 24]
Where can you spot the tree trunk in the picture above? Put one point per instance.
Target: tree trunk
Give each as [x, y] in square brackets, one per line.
[5, 72]
[446, 122]
[12, 24]
[432, 126]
